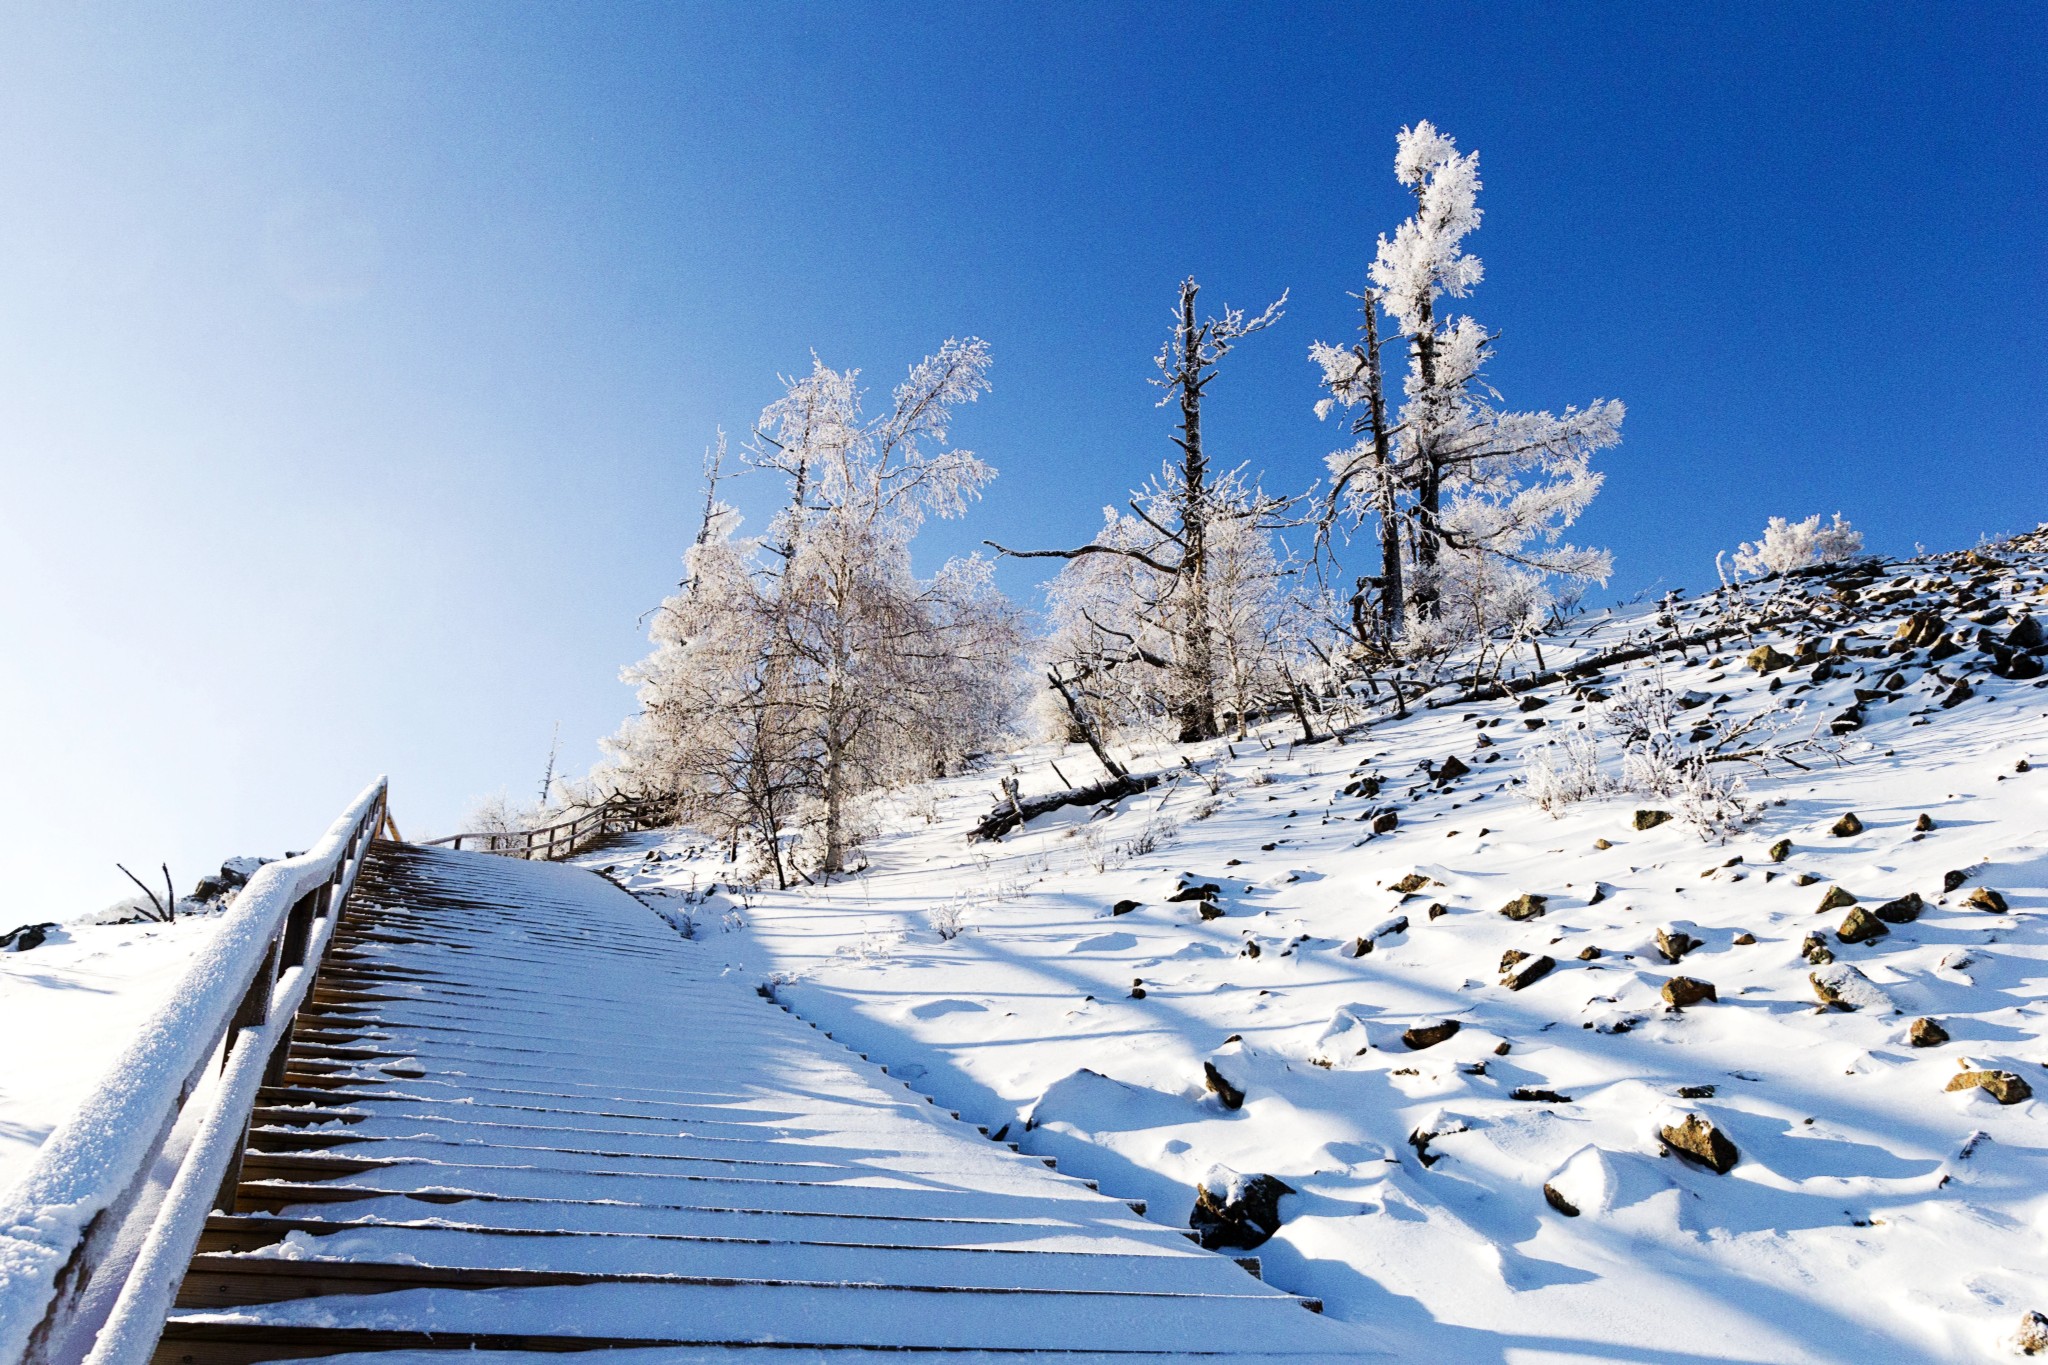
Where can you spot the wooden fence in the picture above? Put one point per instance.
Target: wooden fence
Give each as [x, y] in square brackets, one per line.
[563, 839]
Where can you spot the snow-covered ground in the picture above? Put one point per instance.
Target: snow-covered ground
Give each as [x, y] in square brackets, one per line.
[1872, 1213]
[67, 1009]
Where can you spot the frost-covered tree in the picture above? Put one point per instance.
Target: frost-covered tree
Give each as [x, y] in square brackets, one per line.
[1484, 495]
[1787, 546]
[798, 672]
[1164, 592]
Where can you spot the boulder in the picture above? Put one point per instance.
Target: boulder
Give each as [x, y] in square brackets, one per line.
[1385, 822]
[1528, 905]
[1411, 883]
[2027, 634]
[1834, 899]
[1920, 629]
[1766, 659]
[1589, 954]
[1926, 1033]
[1847, 826]
[1841, 987]
[1559, 1202]
[1451, 769]
[1209, 910]
[1526, 972]
[1428, 1035]
[1952, 879]
[1781, 850]
[1233, 1210]
[1683, 991]
[1816, 951]
[1904, 910]
[2006, 1087]
[1124, 907]
[1650, 819]
[1701, 1143]
[1743, 939]
[27, 936]
[1957, 695]
[1192, 890]
[1861, 927]
[1219, 1085]
[1984, 898]
[1675, 943]
[2031, 1338]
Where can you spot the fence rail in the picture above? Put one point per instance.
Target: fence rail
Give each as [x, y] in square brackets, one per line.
[67, 1282]
[563, 839]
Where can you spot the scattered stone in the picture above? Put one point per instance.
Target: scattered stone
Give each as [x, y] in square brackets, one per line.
[1781, 850]
[1603, 844]
[1924, 825]
[1385, 822]
[1209, 910]
[1528, 905]
[1589, 954]
[1531, 703]
[1599, 893]
[1984, 898]
[1920, 629]
[1904, 910]
[1359, 947]
[1428, 1035]
[1815, 950]
[1834, 899]
[1525, 973]
[1191, 890]
[1841, 987]
[1926, 1033]
[1700, 1142]
[1220, 1086]
[1957, 695]
[1502, 1048]
[1952, 879]
[1567, 1208]
[2030, 1340]
[1767, 659]
[1233, 1210]
[1861, 927]
[1743, 939]
[1438, 908]
[1411, 883]
[1695, 1092]
[2027, 634]
[1251, 949]
[1534, 1095]
[1675, 943]
[1124, 907]
[1683, 991]
[2006, 1087]
[1847, 826]
[1451, 770]
[1511, 957]
[1650, 819]
[1533, 722]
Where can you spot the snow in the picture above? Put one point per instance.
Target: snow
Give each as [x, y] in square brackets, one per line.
[1872, 1214]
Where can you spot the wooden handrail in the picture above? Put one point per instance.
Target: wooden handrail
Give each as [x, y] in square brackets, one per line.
[616, 815]
[88, 1195]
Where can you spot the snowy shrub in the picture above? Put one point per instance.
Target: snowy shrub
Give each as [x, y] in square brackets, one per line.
[1787, 546]
[947, 919]
[1564, 772]
[1713, 800]
[1642, 716]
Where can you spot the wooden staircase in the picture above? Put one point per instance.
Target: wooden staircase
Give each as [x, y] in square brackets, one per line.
[520, 1114]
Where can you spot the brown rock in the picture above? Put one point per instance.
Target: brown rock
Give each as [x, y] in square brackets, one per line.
[1767, 659]
[1603, 844]
[1220, 1086]
[1781, 850]
[1904, 910]
[1560, 1203]
[1804, 879]
[1428, 1035]
[1511, 957]
[1700, 1142]
[1743, 940]
[1589, 954]
[1984, 898]
[1920, 629]
[1835, 898]
[1209, 910]
[2004, 1086]
[1385, 822]
[1452, 769]
[1525, 973]
[1438, 908]
[1952, 879]
[1675, 944]
[1650, 819]
[1411, 883]
[2030, 1340]
[1528, 905]
[1861, 927]
[1925, 824]
[1926, 1033]
[1682, 991]
[1815, 950]
[1847, 826]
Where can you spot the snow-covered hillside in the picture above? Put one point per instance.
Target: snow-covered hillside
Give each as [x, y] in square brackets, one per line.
[1507, 1188]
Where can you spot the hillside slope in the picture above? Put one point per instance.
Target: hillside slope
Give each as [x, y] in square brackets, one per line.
[1507, 1191]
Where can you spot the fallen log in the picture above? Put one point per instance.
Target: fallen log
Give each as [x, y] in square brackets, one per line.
[1014, 811]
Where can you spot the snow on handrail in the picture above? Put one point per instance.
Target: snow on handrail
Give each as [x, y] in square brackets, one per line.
[614, 815]
[64, 1216]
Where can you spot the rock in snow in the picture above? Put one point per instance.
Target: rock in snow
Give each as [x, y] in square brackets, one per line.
[1233, 1210]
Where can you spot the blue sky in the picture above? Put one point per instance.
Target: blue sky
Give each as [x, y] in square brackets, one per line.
[356, 360]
